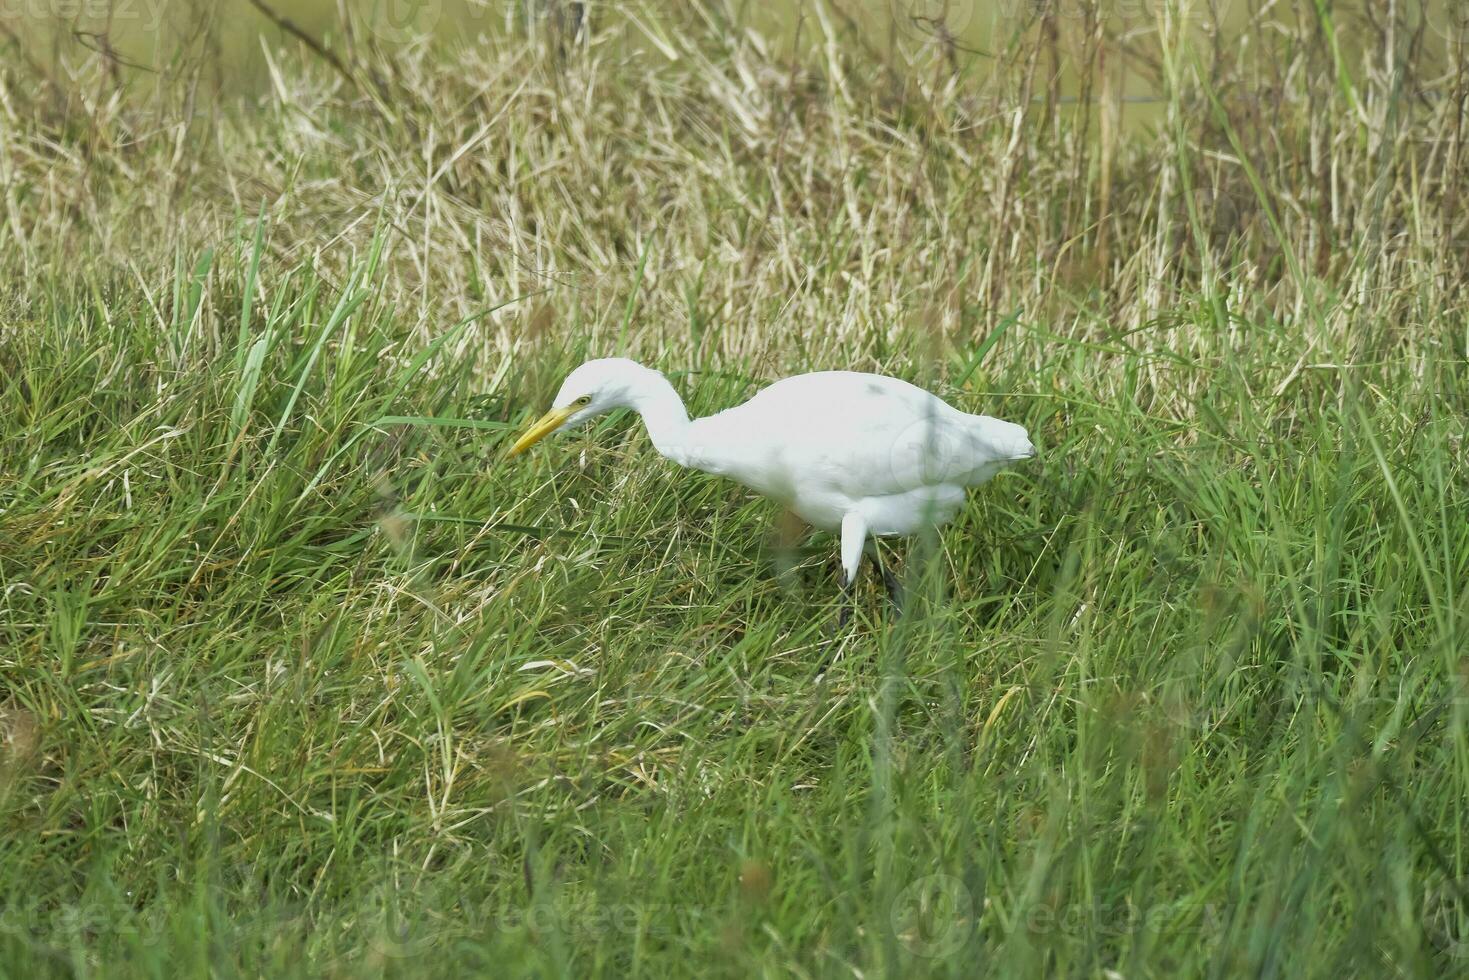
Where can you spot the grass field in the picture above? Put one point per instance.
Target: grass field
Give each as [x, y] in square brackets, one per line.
[302, 678]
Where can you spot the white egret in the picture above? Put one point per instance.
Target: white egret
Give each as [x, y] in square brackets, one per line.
[851, 453]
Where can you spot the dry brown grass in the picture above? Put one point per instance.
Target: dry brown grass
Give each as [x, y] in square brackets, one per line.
[308, 682]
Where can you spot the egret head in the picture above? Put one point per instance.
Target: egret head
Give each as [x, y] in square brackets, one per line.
[594, 388]
[1011, 441]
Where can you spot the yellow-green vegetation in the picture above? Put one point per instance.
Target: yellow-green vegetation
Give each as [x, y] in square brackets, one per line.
[301, 677]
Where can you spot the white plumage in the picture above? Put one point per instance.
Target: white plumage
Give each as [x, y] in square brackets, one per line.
[858, 454]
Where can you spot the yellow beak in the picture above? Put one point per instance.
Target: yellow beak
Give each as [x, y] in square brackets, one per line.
[545, 425]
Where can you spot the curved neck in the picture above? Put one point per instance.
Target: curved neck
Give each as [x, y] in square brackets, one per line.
[664, 415]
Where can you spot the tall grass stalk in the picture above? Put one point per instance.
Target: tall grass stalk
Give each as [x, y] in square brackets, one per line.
[300, 676]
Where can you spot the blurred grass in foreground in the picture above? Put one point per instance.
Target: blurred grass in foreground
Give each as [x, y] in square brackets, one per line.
[301, 679]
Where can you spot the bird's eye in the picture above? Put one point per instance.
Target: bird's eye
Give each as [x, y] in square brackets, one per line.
[584, 400]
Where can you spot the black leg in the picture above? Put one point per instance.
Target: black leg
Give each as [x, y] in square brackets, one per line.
[834, 635]
[848, 601]
[894, 587]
